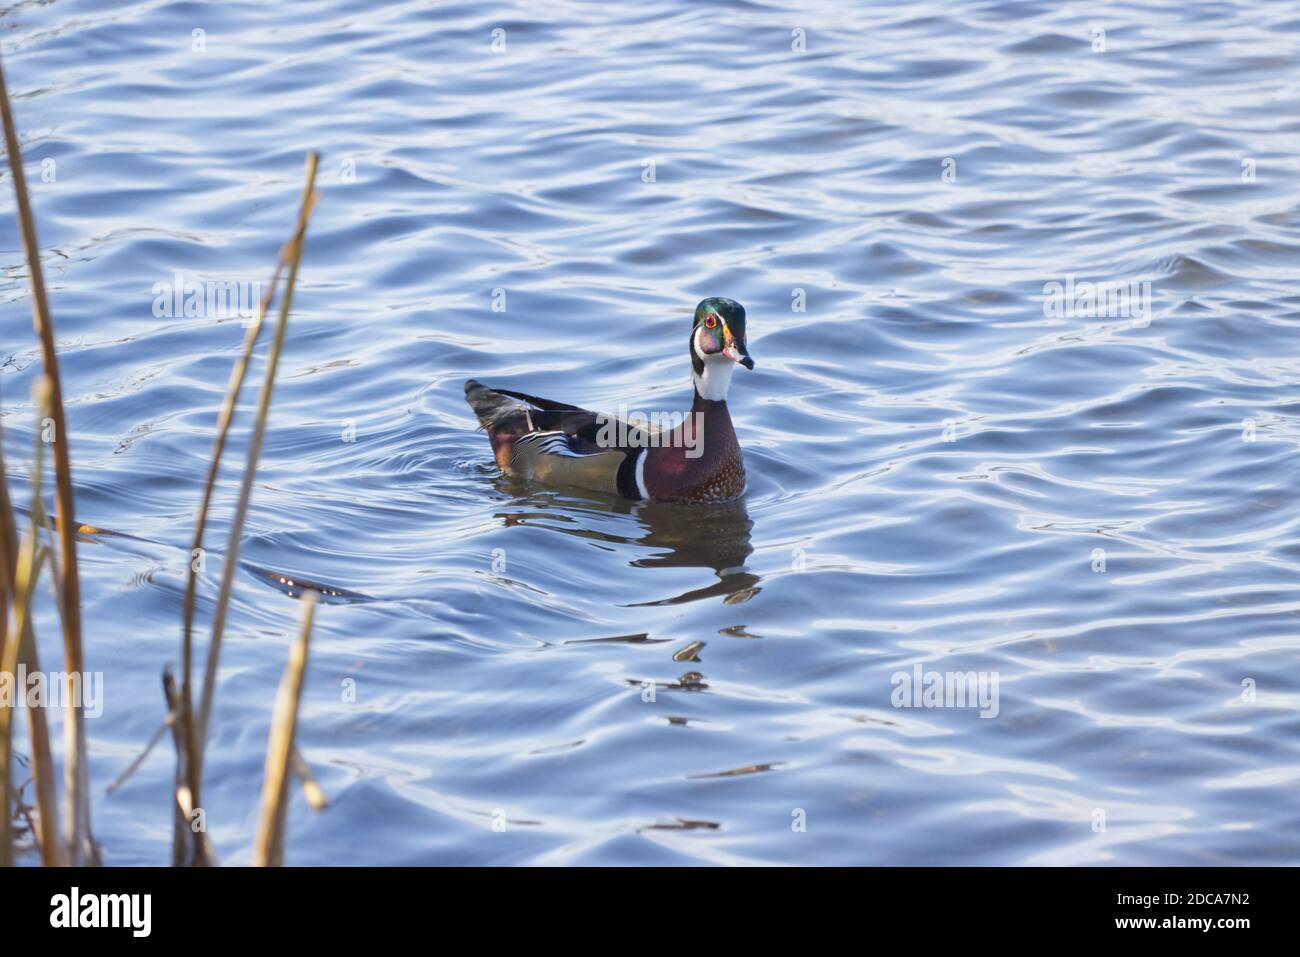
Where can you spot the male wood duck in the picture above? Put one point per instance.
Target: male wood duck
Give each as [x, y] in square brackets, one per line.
[696, 461]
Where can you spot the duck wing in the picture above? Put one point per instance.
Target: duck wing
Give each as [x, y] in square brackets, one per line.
[557, 443]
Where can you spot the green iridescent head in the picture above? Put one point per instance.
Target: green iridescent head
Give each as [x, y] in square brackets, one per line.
[719, 329]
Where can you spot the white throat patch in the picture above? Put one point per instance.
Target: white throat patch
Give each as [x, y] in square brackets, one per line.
[716, 380]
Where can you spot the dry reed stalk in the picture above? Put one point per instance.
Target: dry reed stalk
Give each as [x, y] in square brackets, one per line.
[28, 651]
[312, 791]
[140, 758]
[231, 560]
[196, 735]
[186, 730]
[269, 849]
[8, 546]
[8, 666]
[184, 806]
[19, 569]
[22, 650]
[30, 559]
[26, 571]
[76, 777]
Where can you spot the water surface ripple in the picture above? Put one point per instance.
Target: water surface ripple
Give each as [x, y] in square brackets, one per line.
[938, 468]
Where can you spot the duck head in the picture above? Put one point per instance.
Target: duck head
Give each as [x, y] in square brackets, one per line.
[719, 333]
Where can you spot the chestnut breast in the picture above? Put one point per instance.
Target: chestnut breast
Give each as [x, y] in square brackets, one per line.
[702, 464]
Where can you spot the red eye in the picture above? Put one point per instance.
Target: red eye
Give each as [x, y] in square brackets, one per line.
[711, 320]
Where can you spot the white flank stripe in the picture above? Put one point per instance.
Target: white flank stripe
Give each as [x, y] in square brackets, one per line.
[640, 473]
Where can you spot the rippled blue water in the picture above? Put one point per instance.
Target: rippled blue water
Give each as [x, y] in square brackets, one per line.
[1095, 508]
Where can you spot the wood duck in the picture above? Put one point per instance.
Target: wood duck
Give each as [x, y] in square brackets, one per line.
[697, 460]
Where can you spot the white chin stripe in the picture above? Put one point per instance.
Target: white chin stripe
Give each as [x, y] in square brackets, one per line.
[695, 345]
[640, 473]
[716, 380]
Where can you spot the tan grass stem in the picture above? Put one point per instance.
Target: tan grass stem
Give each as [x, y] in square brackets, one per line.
[22, 647]
[75, 773]
[293, 257]
[30, 559]
[280, 748]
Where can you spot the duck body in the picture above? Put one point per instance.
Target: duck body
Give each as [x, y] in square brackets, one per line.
[695, 460]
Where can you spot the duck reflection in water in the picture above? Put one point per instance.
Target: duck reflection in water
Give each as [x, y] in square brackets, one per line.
[716, 537]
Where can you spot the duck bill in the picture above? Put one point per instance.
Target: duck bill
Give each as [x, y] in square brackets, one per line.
[736, 352]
